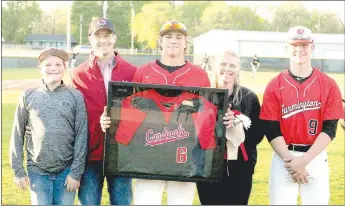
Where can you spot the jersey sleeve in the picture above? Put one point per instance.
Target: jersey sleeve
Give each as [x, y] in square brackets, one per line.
[203, 77]
[205, 123]
[334, 105]
[130, 120]
[270, 109]
[207, 81]
[137, 76]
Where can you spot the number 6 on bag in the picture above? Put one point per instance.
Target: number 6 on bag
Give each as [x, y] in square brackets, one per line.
[181, 155]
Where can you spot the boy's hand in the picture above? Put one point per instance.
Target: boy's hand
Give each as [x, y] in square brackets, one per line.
[71, 184]
[22, 183]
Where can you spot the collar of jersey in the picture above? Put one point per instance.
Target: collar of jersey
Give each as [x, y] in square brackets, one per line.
[177, 101]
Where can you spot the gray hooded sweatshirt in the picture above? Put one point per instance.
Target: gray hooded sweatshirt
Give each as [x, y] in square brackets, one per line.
[58, 122]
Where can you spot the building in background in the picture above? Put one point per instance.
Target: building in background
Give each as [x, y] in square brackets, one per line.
[42, 41]
[270, 48]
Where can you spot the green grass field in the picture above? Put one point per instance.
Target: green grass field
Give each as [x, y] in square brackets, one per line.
[14, 196]
[21, 74]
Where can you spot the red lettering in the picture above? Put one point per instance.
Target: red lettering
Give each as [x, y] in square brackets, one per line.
[300, 31]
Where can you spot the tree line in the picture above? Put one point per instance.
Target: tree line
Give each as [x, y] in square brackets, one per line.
[20, 18]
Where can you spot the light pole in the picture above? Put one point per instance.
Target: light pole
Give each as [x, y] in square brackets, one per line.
[105, 7]
[132, 32]
[81, 29]
[68, 33]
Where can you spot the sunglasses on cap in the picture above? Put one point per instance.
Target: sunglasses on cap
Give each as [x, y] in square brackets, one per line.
[173, 25]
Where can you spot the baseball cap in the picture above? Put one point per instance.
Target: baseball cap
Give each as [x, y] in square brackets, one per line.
[53, 52]
[100, 23]
[300, 34]
[173, 25]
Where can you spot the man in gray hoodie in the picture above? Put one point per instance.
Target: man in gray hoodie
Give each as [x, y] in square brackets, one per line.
[57, 147]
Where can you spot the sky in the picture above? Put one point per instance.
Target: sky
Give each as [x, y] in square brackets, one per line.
[322, 5]
[334, 6]
[331, 6]
[48, 6]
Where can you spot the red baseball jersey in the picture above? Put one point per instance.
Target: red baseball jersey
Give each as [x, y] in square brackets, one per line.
[132, 117]
[301, 108]
[189, 75]
[171, 137]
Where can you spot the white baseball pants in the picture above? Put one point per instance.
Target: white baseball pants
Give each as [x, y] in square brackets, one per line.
[254, 69]
[283, 191]
[150, 192]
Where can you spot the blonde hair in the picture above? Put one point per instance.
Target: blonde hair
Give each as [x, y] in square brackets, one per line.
[236, 85]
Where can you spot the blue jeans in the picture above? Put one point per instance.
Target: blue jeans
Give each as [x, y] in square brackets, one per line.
[50, 189]
[91, 185]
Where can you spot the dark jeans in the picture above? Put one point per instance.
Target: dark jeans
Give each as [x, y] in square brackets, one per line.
[91, 185]
[234, 189]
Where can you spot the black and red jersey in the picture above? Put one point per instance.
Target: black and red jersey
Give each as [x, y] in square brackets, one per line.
[188, 76]
[172, 133]
[301, 108]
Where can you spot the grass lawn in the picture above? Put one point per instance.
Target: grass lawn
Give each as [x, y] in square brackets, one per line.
[14, 196]
[21, 73]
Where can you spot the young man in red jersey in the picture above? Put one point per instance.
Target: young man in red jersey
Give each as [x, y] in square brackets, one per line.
[171, 69]
[301, 108]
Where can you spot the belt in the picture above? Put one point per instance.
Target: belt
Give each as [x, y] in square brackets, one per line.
[299, 148]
